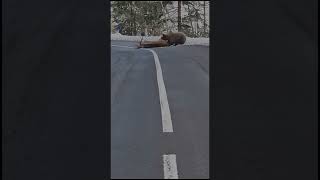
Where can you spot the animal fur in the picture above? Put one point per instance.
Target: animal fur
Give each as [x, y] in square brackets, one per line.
[174, 38]
[151, 44]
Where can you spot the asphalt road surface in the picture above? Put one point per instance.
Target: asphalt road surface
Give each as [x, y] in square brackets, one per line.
[145, 102]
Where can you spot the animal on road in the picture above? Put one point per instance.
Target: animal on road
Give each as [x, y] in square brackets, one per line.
[151, 44]
[174, 38]
[171, 38]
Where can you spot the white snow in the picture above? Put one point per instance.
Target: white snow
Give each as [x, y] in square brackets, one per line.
[189, 41]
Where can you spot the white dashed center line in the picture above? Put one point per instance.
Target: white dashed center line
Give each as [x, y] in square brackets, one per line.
[165, 111]
[170, 166]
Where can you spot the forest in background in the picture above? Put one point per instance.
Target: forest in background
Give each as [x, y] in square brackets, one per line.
[156, 17]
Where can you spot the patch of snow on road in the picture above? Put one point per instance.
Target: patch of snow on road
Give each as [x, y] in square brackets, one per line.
[189, 41]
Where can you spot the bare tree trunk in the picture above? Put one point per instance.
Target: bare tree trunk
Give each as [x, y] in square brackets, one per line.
[131, 13]
[204, 17]
[134, 22]
[179, 16]
[164, 10]
[198, 28]
[190, 19]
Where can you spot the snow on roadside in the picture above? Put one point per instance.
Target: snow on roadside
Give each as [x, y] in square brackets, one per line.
[189, 41]
[197, 41]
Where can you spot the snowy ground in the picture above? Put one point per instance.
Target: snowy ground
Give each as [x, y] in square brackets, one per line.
[189, 41]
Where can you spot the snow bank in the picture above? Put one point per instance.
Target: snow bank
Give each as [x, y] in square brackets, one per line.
[189, 41]
[197, 41]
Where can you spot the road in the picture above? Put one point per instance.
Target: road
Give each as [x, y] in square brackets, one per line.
[141, 148]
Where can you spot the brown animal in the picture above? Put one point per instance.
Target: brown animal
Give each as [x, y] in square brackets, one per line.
[151, 44]
[174, 38]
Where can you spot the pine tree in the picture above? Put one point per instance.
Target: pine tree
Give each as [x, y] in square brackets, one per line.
[155, 17]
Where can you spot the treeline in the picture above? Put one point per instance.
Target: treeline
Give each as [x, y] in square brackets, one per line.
[155, 17]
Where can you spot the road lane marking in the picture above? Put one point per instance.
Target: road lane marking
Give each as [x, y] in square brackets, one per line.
[164, 105]
[165, 110]
[170, 166]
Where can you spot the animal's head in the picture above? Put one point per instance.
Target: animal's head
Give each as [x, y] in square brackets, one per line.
[164, 37]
